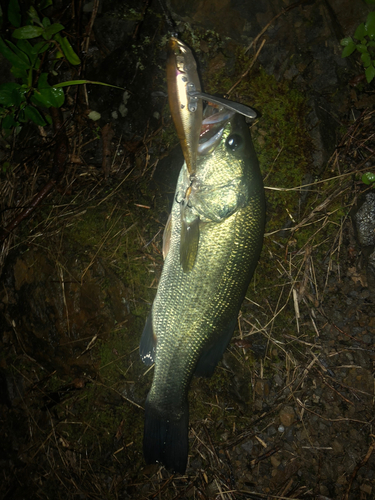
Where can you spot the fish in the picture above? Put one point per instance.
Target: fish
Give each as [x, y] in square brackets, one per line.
[194, 313]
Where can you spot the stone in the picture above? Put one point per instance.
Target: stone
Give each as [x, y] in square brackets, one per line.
[287, 416]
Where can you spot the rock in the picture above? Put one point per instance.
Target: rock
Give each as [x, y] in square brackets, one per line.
[360, 379]
[275, 461]
[248, 446]
[287, 416]
[364, 221]
[262, 388]
[337, 447]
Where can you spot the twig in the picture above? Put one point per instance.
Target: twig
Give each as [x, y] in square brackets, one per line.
[248, 69]
[358, 466]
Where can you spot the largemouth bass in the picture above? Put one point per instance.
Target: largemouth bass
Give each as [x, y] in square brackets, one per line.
[194, 313]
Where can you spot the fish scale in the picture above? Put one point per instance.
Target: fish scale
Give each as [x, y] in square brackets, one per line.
[194, 313]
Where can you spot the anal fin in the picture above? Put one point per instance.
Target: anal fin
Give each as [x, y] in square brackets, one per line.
[214, 351]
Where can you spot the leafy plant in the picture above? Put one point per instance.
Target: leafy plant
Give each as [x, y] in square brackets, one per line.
[368, 178]
[365, 44]
[19, 101]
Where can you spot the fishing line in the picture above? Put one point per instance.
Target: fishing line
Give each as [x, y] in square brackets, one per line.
[169, 20]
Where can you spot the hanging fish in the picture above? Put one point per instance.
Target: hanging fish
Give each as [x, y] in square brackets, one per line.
[194, 313]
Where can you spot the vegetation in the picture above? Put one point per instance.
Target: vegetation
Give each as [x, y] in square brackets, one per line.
[33, 64]
[364, 43]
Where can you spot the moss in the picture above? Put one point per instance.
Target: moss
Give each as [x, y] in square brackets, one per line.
[104, 420]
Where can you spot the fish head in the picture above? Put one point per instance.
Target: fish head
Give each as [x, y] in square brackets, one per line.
[223, 181]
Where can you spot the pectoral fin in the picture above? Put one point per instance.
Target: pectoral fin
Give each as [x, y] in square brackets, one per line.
[147, 346]
[189, 243]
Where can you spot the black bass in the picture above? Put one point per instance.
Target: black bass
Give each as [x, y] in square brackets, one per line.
[194, 313]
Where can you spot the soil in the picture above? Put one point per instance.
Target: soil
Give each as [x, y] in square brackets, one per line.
[289, 411]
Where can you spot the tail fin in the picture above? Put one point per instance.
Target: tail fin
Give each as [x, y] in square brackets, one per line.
[165, 440]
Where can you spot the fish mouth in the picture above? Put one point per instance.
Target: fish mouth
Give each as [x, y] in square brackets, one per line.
[213, 125]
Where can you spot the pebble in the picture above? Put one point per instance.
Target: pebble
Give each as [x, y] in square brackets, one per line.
[248, 446]
[287, 416]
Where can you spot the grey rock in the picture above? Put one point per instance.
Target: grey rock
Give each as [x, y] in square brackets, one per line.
[364, 220]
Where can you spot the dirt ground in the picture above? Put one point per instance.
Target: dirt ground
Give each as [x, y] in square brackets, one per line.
[289, 412]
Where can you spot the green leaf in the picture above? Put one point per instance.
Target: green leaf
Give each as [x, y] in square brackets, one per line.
[46, 22]
[370, 25]
[29, 49]
[43, 81]
[20, 73]
[33, 114]
[362, 48]
[40, 99]
[368, 178]
[14, 14]
[28, 32]
[57, 97]
[6, 93]
[34, 16]
[15, 59]
[25, 47]
[82, 82]
[67, 50]
[40, 47]
[366, 59]
[16, 98]
[349, 48]
[20, 53]
[9, 122]
[360, 32]
[49, 97]
[46, 95]
[346, 41]
[52, 30]
[370, 73]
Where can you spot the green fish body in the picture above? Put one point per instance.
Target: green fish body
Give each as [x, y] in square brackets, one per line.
[195, 313]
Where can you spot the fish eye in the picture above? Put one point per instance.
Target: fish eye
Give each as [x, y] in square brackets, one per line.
[233, 142]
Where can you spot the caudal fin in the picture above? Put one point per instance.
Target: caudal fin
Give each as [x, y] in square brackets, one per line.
[165, 440]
